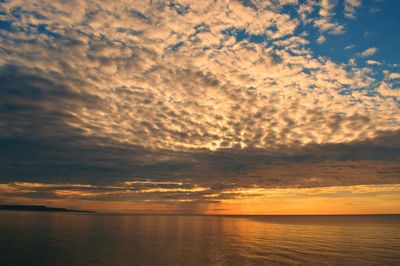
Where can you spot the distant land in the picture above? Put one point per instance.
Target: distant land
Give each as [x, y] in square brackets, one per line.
[39, 208]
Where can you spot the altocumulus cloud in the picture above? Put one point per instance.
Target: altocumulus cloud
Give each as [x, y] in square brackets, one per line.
[180, 100]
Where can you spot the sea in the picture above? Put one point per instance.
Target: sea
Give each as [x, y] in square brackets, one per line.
[52, 238]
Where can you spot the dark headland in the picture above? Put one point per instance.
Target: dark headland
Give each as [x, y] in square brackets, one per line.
[39, 208]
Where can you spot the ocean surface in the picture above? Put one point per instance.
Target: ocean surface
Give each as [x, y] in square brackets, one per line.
[35, 238]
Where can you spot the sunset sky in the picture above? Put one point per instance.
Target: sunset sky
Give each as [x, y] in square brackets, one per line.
[214, 107]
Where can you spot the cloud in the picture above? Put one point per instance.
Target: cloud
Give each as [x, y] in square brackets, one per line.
[105, 175]
[373, 62]
[350, 7]
[194, 98]
[326, 21]
[349, 47]
[368, 52]
[394, 75]
[321, 39]
[386, 90]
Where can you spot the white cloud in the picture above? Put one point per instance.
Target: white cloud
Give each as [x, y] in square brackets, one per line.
[326, 8]
[176, 80]
[394, 75]
[350, 7]
[373, 62]
[369, 52]
[326, 22]
[386, 90]
[321, 39]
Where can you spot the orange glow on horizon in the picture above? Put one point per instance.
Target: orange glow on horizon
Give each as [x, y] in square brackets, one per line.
[378, 199]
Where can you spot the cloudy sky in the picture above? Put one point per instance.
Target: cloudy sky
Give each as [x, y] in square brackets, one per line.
[239, 107]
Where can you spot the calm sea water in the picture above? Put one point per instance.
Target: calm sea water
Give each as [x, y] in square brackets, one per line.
[34, 238]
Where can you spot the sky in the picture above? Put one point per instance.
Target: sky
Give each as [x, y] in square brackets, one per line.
[212, 107]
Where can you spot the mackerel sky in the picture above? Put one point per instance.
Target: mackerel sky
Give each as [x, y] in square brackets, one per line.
[201, 106]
